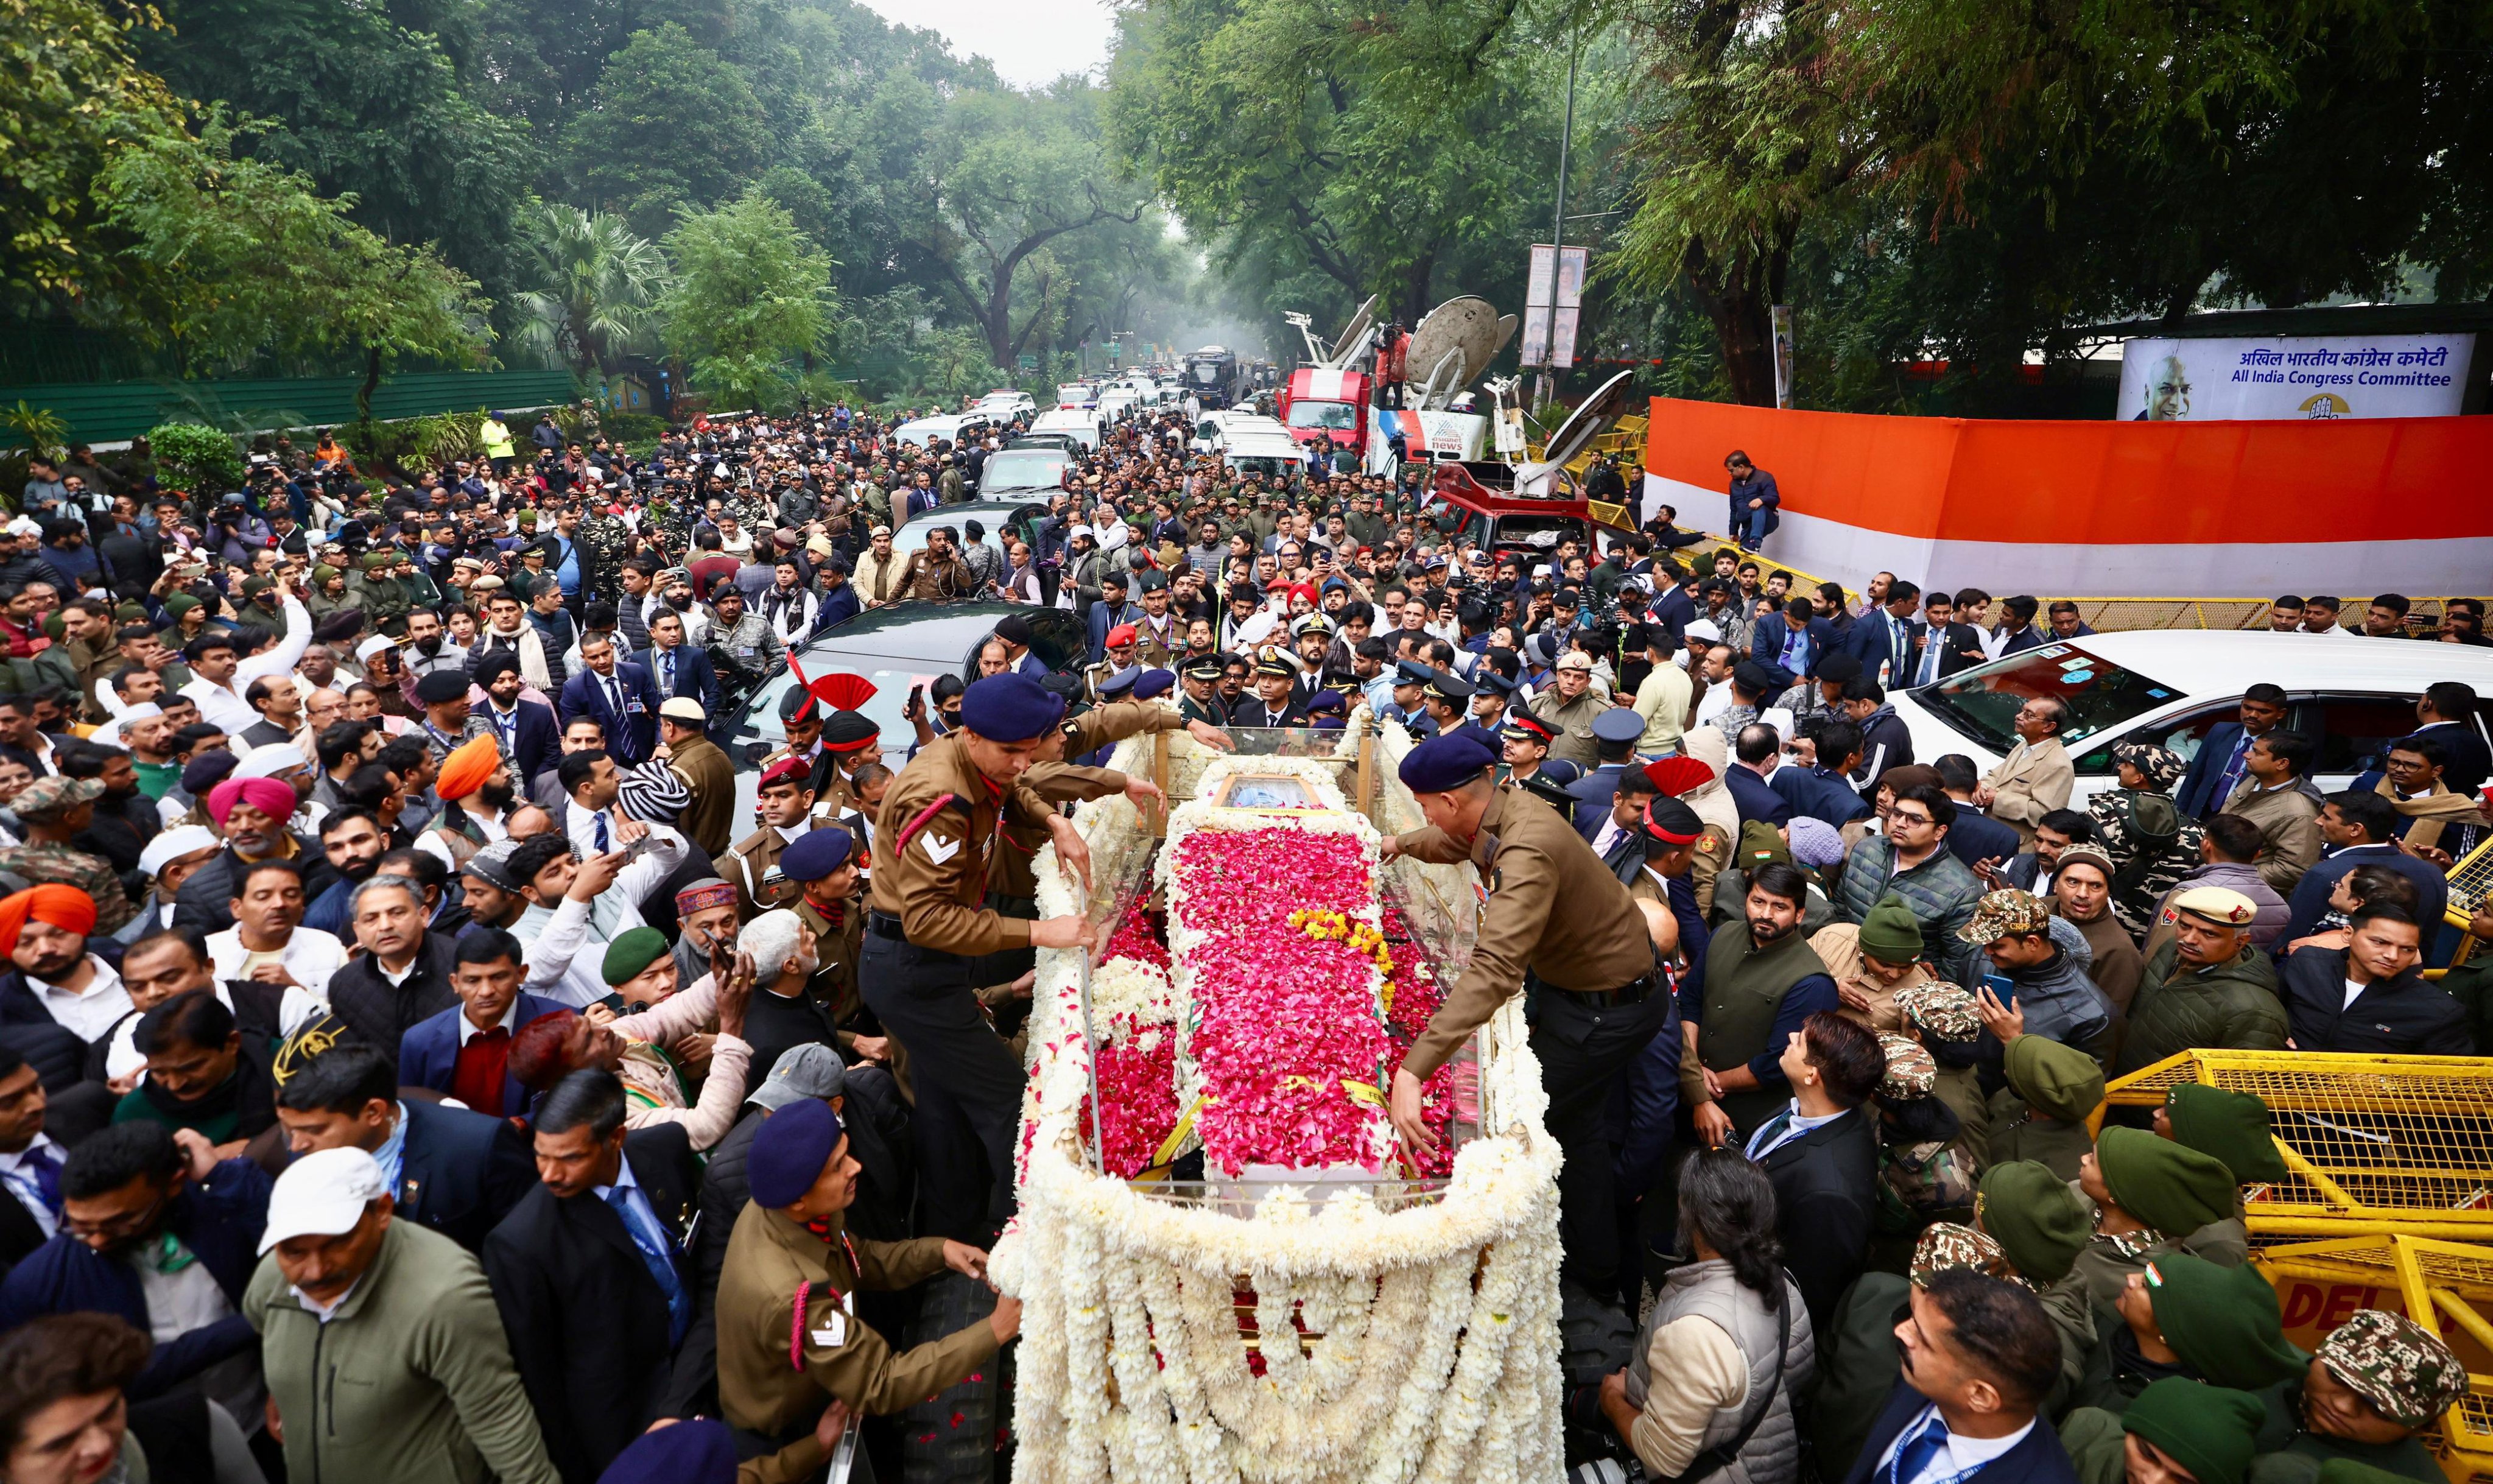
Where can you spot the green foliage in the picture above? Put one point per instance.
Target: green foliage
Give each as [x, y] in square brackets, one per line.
[72, 95]
[37, 430]
[594, 286]
[228, 254]
[750, 294]
[198, 460]
[632, 428]
[671, 125]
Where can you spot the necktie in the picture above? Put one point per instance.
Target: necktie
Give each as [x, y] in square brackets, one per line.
[615, 698]
[1773, 1130]
[655, 1253]
[603, 844]
[667, 667]
[1916, 1454]
[45, 1168]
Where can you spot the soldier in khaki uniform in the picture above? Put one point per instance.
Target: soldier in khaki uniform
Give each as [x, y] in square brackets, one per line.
[1560, 921]
[785, 800]
[1571, 706]
[850, 742]
[942, 823]
[790, 1344]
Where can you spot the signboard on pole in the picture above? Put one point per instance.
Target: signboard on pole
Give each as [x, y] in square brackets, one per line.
[2294, 377]
[1551, 309]
[1781, 317]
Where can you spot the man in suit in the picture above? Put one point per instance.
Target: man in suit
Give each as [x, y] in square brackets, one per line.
[452, 1170]
[1793, 644]
[1980, 1356]
[465, 1051]
[30, 1163]
[1614, 732]
[2446, 712]
[530, 737]
[619, 696]
[1821, 1155]
[2218, 769]
[1976, 839]
[1272, 706]
[2359, 828]
[1883, 640]
[1754, 754]
[1942, 646]
[589, 1272]
[677, 668]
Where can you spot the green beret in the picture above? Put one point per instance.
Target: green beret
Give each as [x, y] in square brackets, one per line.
[2231, 1125]
[2058, 1081]
[2039, 1222]
[2222, 1322]
[2175, 1190]
[2209, 1430]
[1888, 931]
[55, 626]
[628, 954]
[180, 603]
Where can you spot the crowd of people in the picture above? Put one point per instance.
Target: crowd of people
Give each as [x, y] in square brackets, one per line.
[416, 1063]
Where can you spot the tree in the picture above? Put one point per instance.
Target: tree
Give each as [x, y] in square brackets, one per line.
[72, 95]
[225, 256]
[597, 285]
[669, 125]
[751, 293]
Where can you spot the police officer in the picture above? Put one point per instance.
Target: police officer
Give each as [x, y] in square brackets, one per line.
[1446, 699]
[790, 1341]
[943, 821]
[1558, 920]
[1410, 699]
[785, 800]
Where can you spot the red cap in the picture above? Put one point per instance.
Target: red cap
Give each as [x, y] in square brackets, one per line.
[1122, 634]
[786, 767]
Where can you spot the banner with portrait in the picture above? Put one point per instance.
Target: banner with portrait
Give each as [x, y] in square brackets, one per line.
[2282, 376]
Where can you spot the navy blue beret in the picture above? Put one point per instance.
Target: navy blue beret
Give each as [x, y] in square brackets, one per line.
[817, 853]
[1009, 707]
[1558, 767]
[1119, 683]
[1448, 762]
[1153, 683]
[697, 1451]
[1619, 724]
[789, 1152]
[1324, 701]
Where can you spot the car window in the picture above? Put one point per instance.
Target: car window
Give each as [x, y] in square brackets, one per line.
[892, 679]
[2354, 731]
[1983, 702]
[2183, 735]
[1324, 414]
[1058, 638]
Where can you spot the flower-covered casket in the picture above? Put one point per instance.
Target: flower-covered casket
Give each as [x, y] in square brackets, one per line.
[1231, 1268]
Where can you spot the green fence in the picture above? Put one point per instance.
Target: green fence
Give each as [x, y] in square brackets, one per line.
[109, 411]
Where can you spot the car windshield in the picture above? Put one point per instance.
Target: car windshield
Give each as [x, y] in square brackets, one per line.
[1983, 702]
[944, 629]
[1023, 469]
[1324, 414]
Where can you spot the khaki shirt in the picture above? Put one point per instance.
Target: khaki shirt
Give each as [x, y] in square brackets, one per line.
[752, 868]
[937, 883]
[1839, 945]
[709, 823]
[776, 1375]
[1553, 910]
[1102, 726]
[1573, 720]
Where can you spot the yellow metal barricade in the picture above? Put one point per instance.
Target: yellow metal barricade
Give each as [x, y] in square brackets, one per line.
[2446, 1287]
[2374, 1144]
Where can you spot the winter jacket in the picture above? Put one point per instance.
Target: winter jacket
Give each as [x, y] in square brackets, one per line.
[2232, 1005]
[1886, 743]
[1941, 892]
[2060, 998]
[2408, 1015]
[2235, 876]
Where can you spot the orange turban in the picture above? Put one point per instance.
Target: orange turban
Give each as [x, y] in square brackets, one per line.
[64, 907]
[466, 768]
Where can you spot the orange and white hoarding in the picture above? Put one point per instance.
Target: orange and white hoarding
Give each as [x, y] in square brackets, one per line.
[2350, 506]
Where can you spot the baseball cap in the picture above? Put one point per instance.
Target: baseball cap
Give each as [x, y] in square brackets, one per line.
[322, 1194]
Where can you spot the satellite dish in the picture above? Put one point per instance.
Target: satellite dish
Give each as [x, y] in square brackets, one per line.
[1360, 321]
[1454, 342]
[1584, 424]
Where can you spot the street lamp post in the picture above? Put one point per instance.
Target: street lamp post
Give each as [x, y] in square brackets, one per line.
[1558, 221]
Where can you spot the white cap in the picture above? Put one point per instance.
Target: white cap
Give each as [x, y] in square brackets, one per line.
[140, 713]
[374, 646]
[269, 761]
[684, 709]
[1704, 629]
[172, 845]
[24, 526]
[1082, 530]
[322, 1194]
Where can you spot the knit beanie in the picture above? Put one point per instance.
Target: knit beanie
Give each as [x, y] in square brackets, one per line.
[2233, 1127]
[2209, 1430]
[1890, 933]
[2222, 1322]
[2176, 1190]
[2039, 1222]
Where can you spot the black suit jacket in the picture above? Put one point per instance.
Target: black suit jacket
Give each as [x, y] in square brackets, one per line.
[2038, 1459]
[694, 675]
[536, 741]
[464, 1171]
[1826, 1187]
[586, 1322]
[18, 1233]
[1960, 648]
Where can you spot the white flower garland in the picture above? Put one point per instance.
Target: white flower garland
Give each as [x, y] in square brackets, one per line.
[1432, 1337]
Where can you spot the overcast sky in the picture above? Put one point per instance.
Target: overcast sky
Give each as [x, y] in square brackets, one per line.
[1031, 42]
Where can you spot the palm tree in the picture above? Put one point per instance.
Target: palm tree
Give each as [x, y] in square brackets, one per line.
[598, 285]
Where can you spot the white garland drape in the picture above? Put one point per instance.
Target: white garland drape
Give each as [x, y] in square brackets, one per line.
[1435, 1356]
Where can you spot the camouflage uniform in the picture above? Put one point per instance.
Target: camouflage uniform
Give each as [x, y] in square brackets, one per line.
[2152, 845]
[604, 542]
[1944, 1245]
[2400, 1369]
[38, 862]
[1925, 1177]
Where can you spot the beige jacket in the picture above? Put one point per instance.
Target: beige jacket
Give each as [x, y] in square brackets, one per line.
[2289, 818]
[2031, 781]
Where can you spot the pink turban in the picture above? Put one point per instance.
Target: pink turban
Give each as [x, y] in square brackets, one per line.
[266, 795]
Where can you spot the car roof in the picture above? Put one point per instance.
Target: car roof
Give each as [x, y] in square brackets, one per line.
[954, 514]
[2203, 663]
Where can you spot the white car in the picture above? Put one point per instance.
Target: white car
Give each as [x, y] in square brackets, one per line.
[947, 426]
[1115, 401]
[1076, 423]
[2171, 687]
[1077, 395]
[1005, 405]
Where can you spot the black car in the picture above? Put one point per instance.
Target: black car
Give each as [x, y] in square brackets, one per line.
[900, 646]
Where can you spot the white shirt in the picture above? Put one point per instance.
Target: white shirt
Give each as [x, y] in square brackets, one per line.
[551, 946]
[1959, 1456]
[223, 705]
[325, 1312]
[580, 825]
[90, 1015]
[1798, 1125]
[2353, 992]
[310, 954]
[469, 1030]
[21, 1181]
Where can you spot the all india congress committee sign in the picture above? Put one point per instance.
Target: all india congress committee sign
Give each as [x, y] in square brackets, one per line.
[2312, 376]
